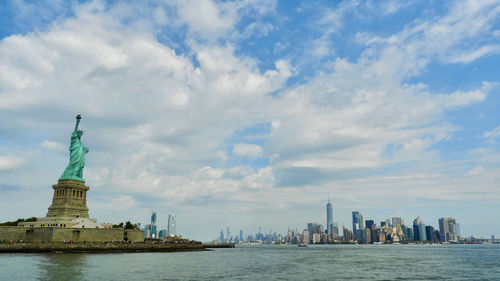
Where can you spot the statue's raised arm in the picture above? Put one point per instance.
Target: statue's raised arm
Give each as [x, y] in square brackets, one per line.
[78, 118]
[77, 152]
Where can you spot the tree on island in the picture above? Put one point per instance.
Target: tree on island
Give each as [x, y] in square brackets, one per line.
[15, 223]
[126, 225]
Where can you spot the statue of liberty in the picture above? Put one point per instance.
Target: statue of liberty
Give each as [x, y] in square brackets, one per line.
[77, 151]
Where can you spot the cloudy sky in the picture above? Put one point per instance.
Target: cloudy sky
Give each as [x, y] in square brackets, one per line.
[253, 112]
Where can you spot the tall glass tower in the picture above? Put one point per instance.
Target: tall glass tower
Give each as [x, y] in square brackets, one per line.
[329, 218]
[154, 232]
[171, 225]
[356, 219]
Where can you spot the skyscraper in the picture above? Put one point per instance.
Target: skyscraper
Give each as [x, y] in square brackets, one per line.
[448, 229]
[409, 233]
[416, 232]
[361, 231]
[228, 234]
[356, 218]
[419, 230]
[397, 221]
[314, 228]
[369, 223]
[329, 218]
[310, 229]
[347, 235]
[154, 231]
[171, 228]
[430, 234]
[335, 230]
[305, 236]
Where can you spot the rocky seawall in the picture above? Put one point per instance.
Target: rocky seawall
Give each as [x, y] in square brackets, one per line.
[60, 247]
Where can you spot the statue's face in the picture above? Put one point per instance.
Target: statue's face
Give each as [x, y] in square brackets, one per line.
[80, 133]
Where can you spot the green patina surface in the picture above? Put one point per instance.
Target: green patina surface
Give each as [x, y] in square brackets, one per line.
[74, 170]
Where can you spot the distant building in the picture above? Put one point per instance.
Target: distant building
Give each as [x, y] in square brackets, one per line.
[409, 234]
[162, 234]
[314, 228]
[305, 236]
[316, 239]
[429, 233]
[335, 231]
[221, 237]
[150, 231]
[419, 230]
[367, 236]
[356, 217]
[323, 238]
[321, 229]
[397, 221]
[362, 227]
[422, 234]
[448, 230]
[228, 235]
[436, 237]
[416, 231]
[381, 237]
[369, 223]
[310, 230]
[347, 235]
[241, 236]
[171, 228]
[329, 218]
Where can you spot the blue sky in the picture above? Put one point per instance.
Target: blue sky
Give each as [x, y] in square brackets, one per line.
[253, 112]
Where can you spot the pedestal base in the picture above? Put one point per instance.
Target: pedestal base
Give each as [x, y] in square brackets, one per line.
[70, 199]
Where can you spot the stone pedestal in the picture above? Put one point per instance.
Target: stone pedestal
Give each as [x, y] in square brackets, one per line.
[70, 199]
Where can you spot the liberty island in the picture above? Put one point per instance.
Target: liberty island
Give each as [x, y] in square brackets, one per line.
[67, 219]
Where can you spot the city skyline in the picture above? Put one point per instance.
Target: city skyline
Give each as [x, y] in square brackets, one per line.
[447, 230]
[252, 112]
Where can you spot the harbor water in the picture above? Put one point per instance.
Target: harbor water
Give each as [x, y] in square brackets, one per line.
[266, 262]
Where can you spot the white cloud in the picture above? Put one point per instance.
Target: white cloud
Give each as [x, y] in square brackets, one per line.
[492, 135]
[464, 98]
[448, 39]
[213, 20]
[329, 24]
[475, 171]
[8, 163]
[207, 18]
[247, 150]
[53, 145]
[476, 54]
[392, 6]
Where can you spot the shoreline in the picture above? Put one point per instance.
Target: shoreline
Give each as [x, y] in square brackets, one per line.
[61, 247]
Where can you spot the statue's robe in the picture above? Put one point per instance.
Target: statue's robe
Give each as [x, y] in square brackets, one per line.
[77, 158]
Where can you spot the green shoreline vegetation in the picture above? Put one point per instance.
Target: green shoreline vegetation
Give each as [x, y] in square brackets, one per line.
[15, 223]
